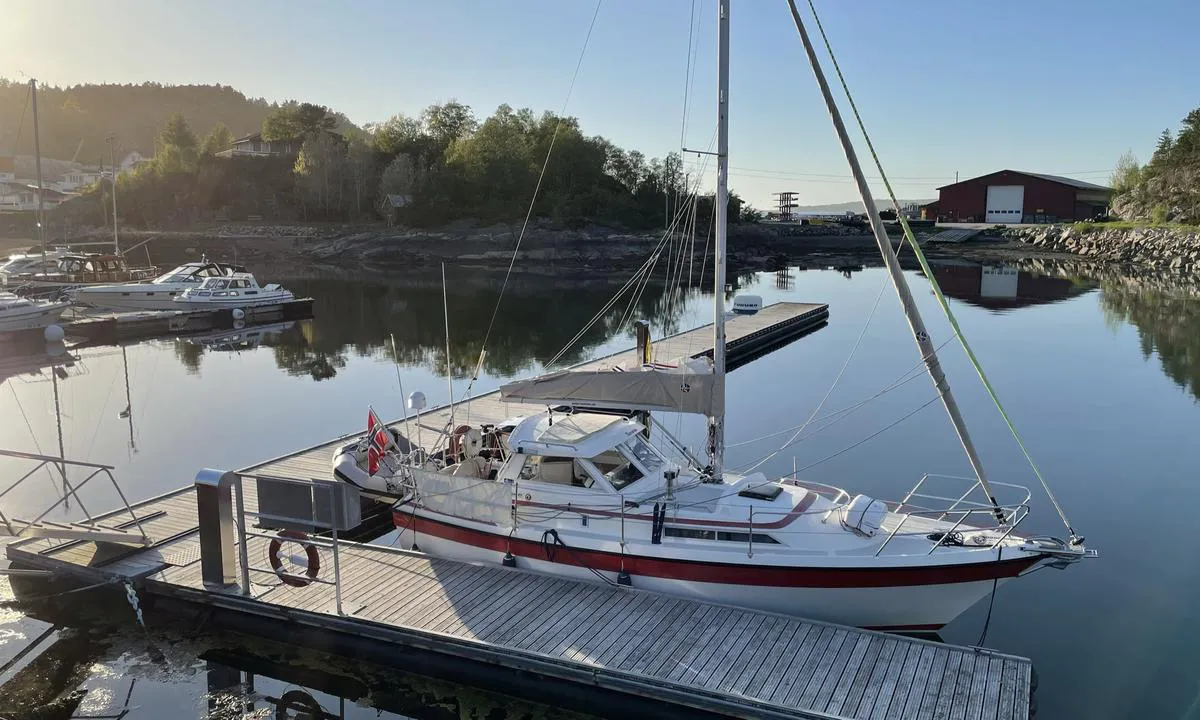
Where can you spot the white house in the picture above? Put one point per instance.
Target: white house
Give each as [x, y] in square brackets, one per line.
[21, 196]
[80, 177]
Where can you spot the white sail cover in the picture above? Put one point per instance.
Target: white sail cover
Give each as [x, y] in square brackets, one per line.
[690, 386]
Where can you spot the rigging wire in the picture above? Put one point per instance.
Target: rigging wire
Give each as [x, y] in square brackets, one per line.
[853, 350]
[937, 291]
[537, 187]
[868, 438]
[838, 415]
[20, 126]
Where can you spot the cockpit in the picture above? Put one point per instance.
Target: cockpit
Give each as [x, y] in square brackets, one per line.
[601, 452]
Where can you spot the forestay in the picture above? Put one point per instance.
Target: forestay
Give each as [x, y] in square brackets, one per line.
[689, 387]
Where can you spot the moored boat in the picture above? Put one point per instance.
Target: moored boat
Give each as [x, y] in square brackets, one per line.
[18, 313]
[155, 294]
[236, 290]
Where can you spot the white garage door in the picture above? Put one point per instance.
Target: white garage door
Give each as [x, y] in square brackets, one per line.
[1004, 203]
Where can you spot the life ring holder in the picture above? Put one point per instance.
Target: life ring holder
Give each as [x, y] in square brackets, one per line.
[455, 444]
[314, 559]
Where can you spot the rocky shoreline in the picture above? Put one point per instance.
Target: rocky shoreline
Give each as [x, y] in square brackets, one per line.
[549, 250]
[1157, 247]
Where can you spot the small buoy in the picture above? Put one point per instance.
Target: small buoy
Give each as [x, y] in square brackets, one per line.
[416, 400]
[238, 324]
[54, 333]
[56, 349]
[238, 313]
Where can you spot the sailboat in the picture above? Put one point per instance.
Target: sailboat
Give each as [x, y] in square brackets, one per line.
[581, 490]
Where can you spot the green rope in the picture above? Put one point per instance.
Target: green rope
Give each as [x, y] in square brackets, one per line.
[937, 290]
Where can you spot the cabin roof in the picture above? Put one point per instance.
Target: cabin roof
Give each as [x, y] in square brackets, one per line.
[576, 435]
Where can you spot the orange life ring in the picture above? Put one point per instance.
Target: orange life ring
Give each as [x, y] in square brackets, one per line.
[314, 560]
[456, 441]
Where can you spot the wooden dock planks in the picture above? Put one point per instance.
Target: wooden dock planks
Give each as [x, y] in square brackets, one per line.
[728, 659]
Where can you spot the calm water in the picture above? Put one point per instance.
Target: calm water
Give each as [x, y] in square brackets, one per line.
[1101, 376]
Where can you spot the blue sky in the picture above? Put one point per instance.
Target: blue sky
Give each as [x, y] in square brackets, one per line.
[945, 86]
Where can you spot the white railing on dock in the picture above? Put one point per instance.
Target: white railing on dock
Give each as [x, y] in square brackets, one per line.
[328, 504]
[91, 529]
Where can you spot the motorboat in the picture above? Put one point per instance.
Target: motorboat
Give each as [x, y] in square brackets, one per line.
[236, 290]
[18, 313]
[76, 269]
[155, 294]
[29, 263]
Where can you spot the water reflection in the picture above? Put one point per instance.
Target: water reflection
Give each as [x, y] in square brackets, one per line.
[537, 317]
[1167, 321]
[1001, 288]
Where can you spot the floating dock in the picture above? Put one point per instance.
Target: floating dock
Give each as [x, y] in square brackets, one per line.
[118, 327]
[362, 599]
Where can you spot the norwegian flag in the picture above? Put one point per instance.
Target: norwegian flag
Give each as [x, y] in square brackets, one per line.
[380, 439]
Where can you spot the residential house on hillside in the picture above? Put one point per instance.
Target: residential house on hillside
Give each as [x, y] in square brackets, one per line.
[8, 169]
[253, 145]
[80, 177]
[22, 197]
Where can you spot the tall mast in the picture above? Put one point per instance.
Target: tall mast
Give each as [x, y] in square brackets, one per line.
[37, 161]
[112, 159]
[716, 428]
[915, 323]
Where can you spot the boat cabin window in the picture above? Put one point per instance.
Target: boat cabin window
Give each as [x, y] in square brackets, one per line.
[629, 462]
[555, 470]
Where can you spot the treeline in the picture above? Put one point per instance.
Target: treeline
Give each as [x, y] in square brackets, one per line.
[442, 165]
[74, 121]
[1166, 189]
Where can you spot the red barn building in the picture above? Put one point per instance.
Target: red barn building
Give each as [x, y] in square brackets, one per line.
[1012, 196]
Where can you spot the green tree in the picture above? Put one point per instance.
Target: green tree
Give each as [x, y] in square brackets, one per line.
[448, 122]
[320, 172]
[282, 124]
[399, 134]
[176, 149]
[1126, 174]
[217, 140]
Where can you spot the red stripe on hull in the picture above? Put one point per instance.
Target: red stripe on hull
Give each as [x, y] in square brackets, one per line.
[724, 573]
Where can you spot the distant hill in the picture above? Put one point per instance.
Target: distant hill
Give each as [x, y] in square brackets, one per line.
[854, 206]
[75, 120]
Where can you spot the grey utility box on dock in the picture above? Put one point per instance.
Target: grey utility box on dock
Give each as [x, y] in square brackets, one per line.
[286, 504]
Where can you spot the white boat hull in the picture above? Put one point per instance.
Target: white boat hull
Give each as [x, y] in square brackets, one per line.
[235, 302]
[872, 604]
[36, 318]
[132, 300]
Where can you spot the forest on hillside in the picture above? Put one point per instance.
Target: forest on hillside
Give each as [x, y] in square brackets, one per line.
[444, 164]
[74, 121]
[1166, 189]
